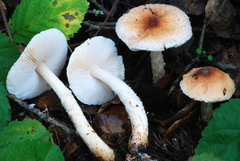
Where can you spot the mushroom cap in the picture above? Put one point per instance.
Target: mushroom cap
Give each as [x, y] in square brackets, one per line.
[208, 84]
[49, 46]
[154, 27]
[97, 51]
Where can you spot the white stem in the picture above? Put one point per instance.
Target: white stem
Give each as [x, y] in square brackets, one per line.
[99, 148]
[157, 65]
[133, 106]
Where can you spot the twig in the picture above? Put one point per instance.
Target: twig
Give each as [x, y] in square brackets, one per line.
[183, 112]
[220, 65]
[213, 63]
[196, 59]
[5, 22]
[218, 12]
[126, 4]
[179, 123]
[96, 27]
[106, 17]
[175, 83]
[42, 115]
[110, 24]
[105, 12]
[115, 8]
[210, 31]
[202, 35]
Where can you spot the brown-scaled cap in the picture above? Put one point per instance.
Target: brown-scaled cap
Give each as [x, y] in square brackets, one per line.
[208, 84]
[154, 27]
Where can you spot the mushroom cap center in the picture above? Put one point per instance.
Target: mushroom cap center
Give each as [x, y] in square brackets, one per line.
[154, 27]
[152, 22]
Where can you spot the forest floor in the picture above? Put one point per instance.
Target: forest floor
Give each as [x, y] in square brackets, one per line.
[173, 133]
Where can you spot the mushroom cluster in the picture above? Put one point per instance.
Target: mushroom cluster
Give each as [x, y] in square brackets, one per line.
[95, 72]
[35, 72]
[208, 85]
[154, 27]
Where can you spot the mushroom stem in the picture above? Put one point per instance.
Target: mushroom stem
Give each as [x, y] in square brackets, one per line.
[206, 111]
[133, 106]
[53, 81]
[157, 65]
[99, 148]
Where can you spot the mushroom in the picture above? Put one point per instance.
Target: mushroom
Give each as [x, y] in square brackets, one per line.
[207, 84]
[36, 70]
[154, 27]
[94, 72]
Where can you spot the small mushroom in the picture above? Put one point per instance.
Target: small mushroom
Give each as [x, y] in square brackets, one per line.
[209, 85]
[154, 27]
[35, 72]
[94, 72]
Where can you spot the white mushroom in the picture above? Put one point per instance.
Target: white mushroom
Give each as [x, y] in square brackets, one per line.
[23, 80]
[36, 70]
[94, 71]
[154, 27]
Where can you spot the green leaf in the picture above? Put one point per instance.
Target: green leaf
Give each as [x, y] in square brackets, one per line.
[28, 140]
[210, 57]
[97, 12]
[5, 114]
[205, 157]
[221, 136]
[34, 16]
[34, 149]
[8, 55]
[198, 50]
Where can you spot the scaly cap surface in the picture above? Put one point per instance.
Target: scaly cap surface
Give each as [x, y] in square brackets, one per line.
[154, 27]
[208, 84]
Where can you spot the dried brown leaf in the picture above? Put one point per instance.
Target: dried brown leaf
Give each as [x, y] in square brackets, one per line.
[113, 122]
[194, 7]
[180, 114]
[108, 126]
[223, 25]
[164, 81]
[88, 109]
[235, 59]
[227, 53]
[121, 113]
[20, 48]
[71, 147]
[114, 101]
[48, 99]
[178, 124]
[213, 46]
[197, 7]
